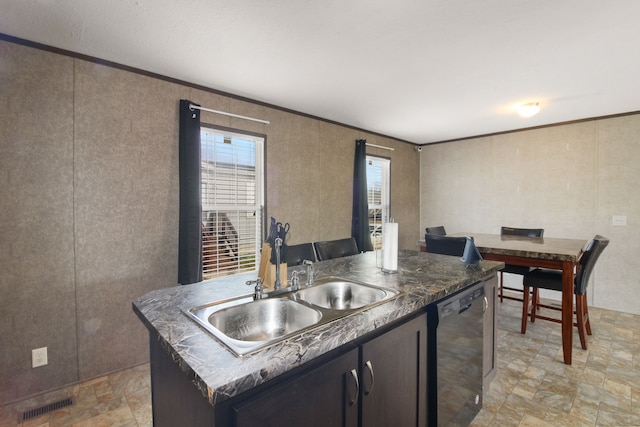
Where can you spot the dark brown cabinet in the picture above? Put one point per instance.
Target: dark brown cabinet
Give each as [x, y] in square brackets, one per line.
[326, 396]
[394, 377]
[382, 382]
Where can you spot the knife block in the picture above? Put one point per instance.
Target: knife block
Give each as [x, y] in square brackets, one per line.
[271, 276]
[267, 271]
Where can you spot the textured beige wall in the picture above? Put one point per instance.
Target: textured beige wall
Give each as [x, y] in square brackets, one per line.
[569, 180]
[617, 177]
[37, 286]
[89, 213]
[126, 193]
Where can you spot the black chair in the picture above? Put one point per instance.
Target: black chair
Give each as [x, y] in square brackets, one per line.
[331, 249]
[541, 278]
[438, 230]
[516, 269]
[445, 245]
[298, 253]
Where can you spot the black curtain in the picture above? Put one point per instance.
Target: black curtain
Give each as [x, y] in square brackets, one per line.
[190, 234]
[360, 219]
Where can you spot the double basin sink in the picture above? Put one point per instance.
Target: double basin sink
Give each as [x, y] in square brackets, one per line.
[246, 326]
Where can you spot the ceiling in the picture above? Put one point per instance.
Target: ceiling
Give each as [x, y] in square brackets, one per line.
[419, 70]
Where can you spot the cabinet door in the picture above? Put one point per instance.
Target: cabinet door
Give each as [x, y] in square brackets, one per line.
[490, 352]
[394, 377]
[324, 396]
[175, 400]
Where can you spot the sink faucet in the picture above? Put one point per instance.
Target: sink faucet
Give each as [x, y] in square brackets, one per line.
[258, 292]
[310, 271]
[295, 282]
[278, 245]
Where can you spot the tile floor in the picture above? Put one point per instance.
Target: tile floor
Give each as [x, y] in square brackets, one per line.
[119, 399]
[532, 387]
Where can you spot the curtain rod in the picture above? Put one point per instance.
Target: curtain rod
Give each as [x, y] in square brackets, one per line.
[380, 146]
[192, 107]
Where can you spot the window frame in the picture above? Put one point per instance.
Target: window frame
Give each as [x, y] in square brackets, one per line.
[385, 198]
[258, 207]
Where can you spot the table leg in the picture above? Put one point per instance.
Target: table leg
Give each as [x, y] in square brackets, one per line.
[567, 310]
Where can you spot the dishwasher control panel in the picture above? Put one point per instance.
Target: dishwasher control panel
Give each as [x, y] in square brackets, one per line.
[460, 302]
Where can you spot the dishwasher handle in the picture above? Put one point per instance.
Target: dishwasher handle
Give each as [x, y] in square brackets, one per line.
[465, 308]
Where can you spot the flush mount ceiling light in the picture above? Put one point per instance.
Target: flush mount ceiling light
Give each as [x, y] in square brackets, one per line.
[529, 109]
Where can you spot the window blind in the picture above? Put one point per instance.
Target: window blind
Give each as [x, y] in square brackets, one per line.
[377, 196]
[231, 173]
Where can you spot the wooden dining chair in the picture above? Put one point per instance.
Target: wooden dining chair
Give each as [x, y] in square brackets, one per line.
[515, 269]
[541, 278]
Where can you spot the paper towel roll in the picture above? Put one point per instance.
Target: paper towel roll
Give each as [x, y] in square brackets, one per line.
[390, 247]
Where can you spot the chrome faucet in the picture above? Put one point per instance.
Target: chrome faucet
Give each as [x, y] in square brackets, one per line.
[310, 271]
[258, 291]
[295, 282]
[278, 244]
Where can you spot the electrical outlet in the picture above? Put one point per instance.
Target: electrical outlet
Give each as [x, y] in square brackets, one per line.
[39, 357]
[619, 220]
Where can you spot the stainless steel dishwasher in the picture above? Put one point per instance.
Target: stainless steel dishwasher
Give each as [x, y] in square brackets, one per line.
[455, 352]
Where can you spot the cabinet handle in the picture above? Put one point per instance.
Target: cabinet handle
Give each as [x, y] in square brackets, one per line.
[486, 305]
[369, 366]
[354, 374]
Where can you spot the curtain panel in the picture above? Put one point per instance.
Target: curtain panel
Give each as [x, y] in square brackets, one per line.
[190, 227]
[360, 215]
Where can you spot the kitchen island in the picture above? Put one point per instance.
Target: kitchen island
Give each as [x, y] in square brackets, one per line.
[212, 375]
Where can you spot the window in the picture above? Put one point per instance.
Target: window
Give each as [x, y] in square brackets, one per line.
[232, 200]
[378, 184]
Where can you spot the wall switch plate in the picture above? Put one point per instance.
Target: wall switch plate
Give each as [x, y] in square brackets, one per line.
[39, 357]
[619, 220]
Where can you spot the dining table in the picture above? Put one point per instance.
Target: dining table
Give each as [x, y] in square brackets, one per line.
[543, 252]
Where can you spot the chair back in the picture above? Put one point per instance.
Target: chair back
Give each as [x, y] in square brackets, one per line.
[438, 230]
[298, 253]
[588, 261]
[529, 232]
[445, 245]
[331, 249]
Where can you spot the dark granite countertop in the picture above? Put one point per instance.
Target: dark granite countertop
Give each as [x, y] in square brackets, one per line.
[422, 277]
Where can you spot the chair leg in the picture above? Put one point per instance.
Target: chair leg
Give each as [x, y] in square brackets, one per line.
[580, 320]
[587, 323]
[525, 310]
[535, 300]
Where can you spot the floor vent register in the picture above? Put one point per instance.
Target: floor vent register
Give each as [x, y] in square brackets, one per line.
[33, 413]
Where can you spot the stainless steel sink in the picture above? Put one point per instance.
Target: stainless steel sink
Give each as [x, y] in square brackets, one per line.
[340, 294]
[264, 320]
[245, 325]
